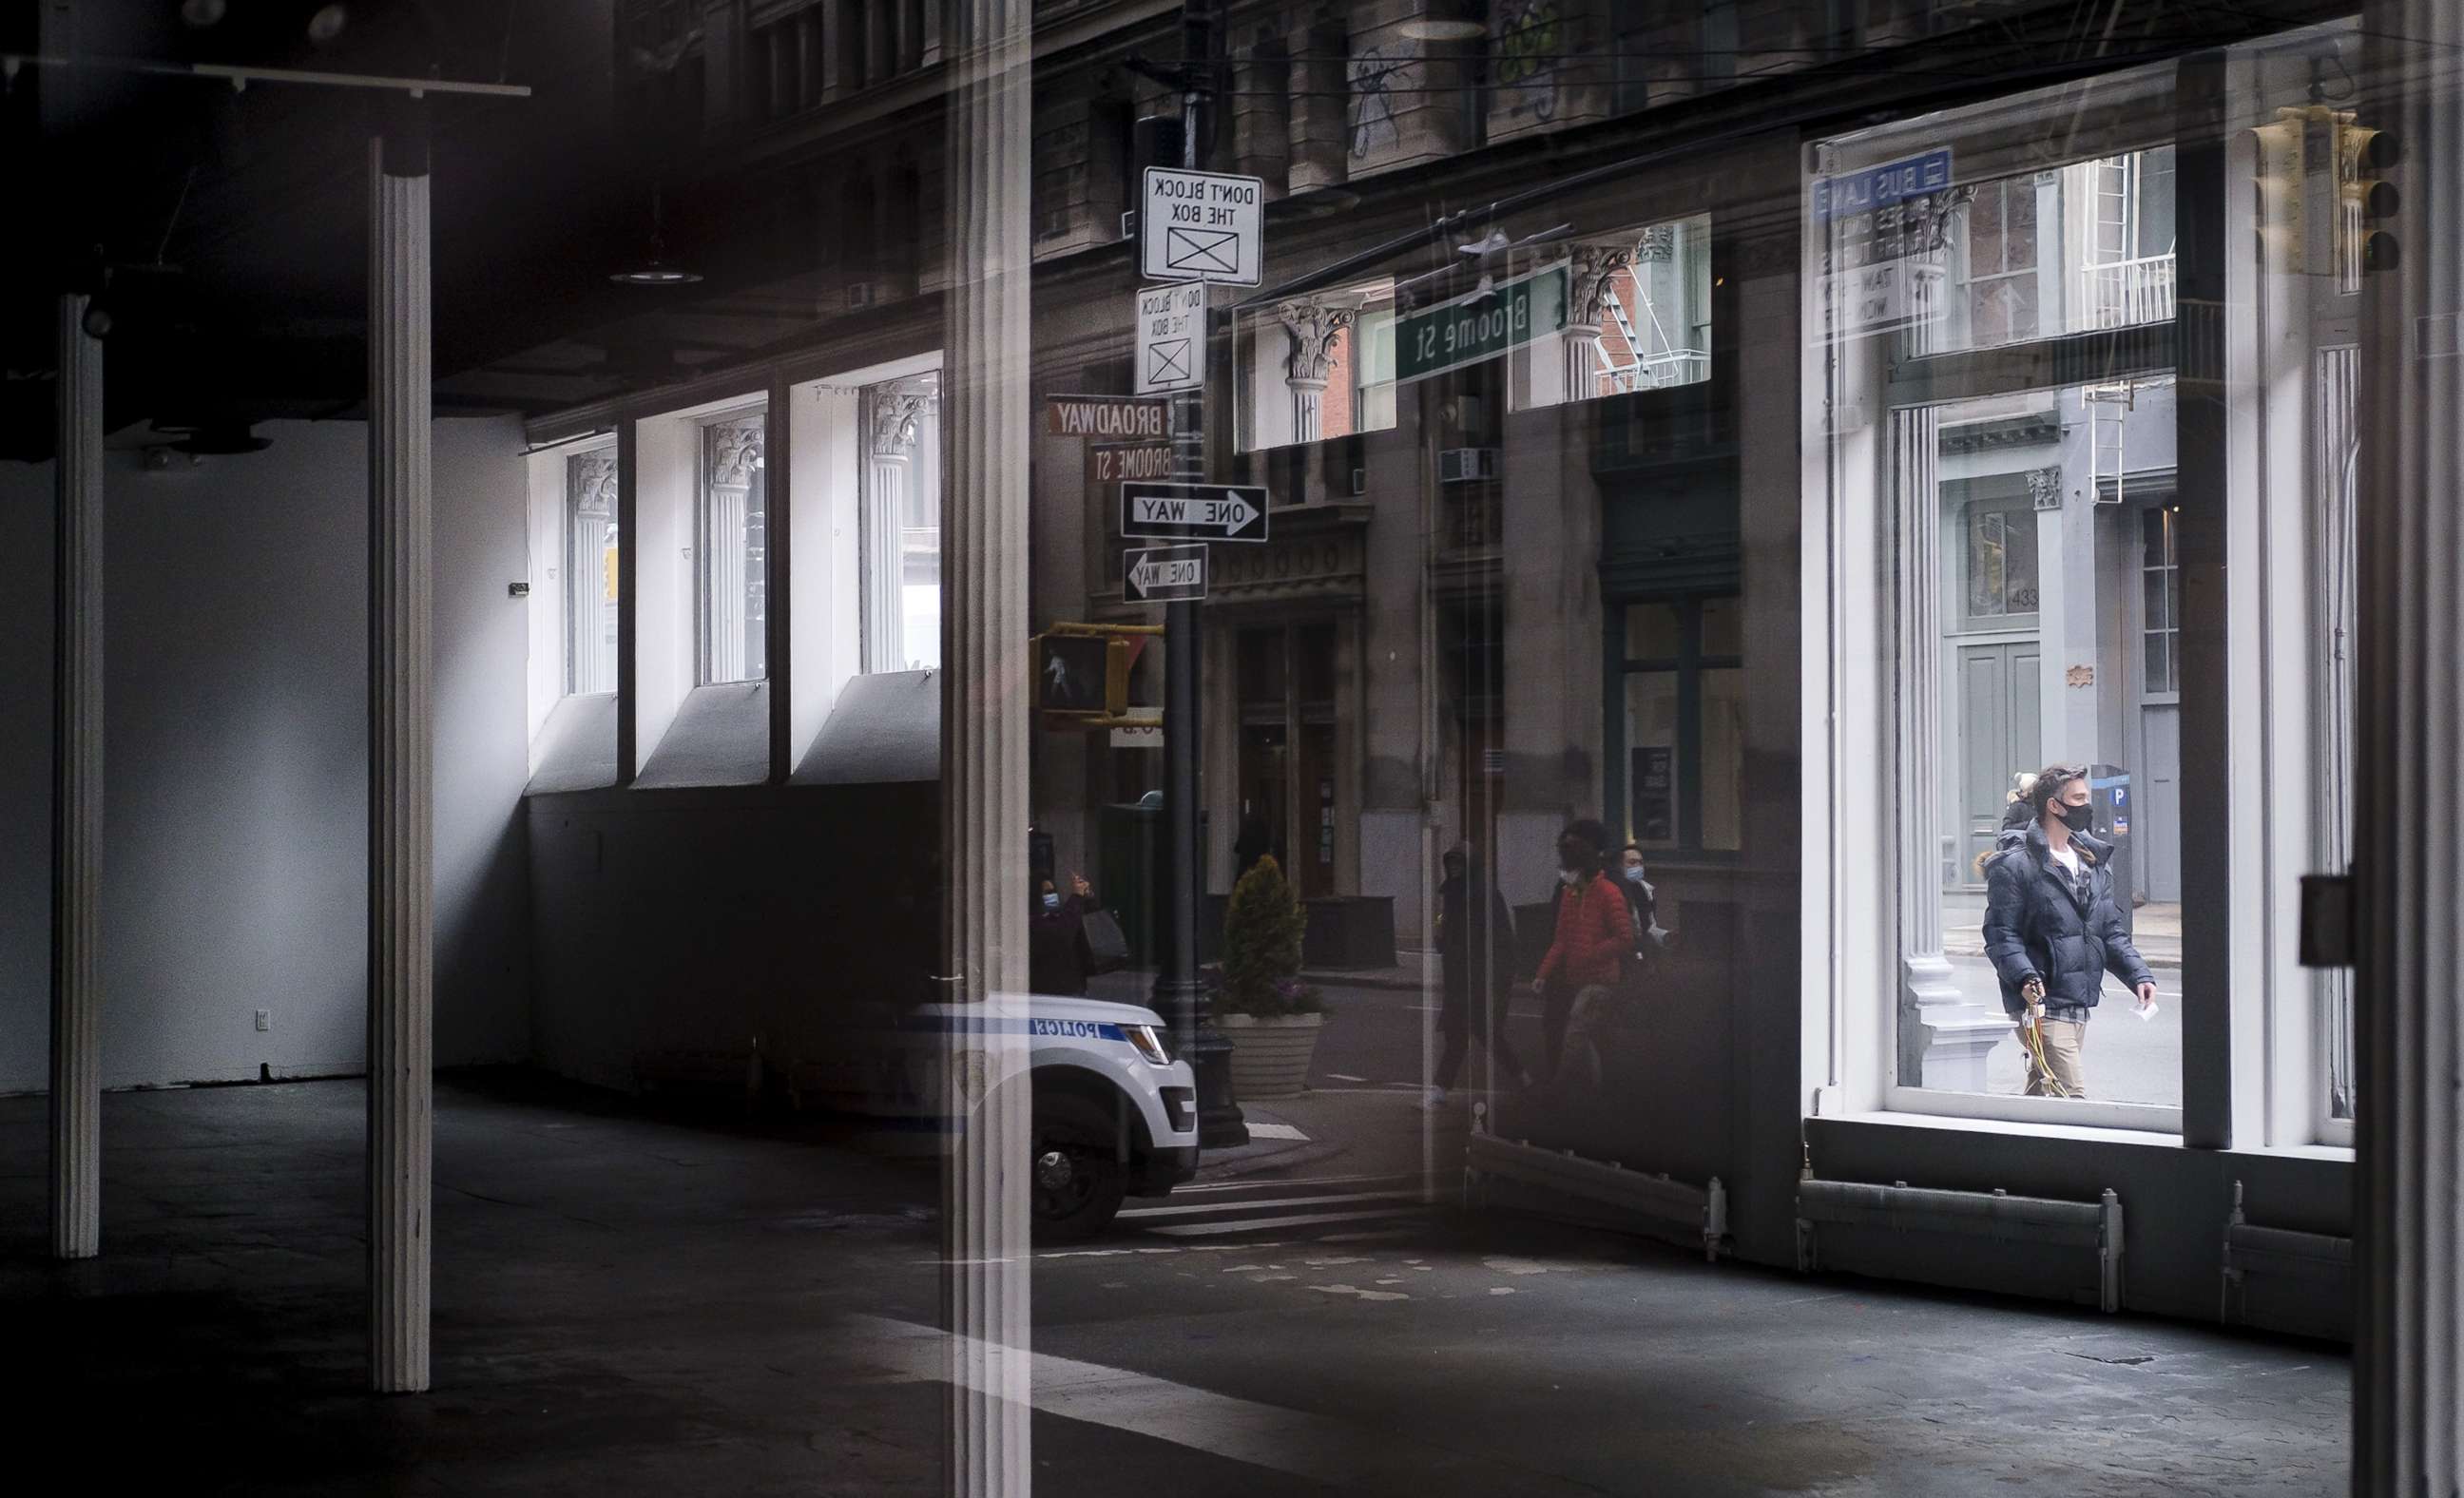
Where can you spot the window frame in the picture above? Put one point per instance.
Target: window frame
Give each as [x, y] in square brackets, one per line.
[1688, 666]
[2251, 1079]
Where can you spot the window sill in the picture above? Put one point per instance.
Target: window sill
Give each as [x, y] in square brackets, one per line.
[2085, 1133]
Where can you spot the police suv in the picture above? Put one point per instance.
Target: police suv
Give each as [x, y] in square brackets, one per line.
[1113, 1113]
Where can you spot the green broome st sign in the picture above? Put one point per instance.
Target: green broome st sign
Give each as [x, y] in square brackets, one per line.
[1482, 325]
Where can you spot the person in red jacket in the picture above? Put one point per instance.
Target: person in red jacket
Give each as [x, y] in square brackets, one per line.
[1592, 937]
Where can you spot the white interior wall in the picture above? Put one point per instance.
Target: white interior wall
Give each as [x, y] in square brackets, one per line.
[546, 531]
[825, 544]
[667, 453]
[237, 759]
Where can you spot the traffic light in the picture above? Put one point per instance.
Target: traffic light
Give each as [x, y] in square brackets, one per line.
[2374, 200]
[1082, 673]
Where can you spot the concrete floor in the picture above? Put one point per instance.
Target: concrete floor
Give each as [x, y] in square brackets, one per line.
[628, 1303]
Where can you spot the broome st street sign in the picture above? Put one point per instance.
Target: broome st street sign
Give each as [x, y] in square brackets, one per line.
[1483, 325]
[1194, 512]
[1112, 462]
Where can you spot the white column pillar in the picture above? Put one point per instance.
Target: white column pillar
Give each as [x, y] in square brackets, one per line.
[1595, 270]
[2409, 853]
[401, 776]
[1942, 1039]
[1308, 408]
[76, 795]
[983, 731]
[890, 415]
[884, 609]
[1314, 331]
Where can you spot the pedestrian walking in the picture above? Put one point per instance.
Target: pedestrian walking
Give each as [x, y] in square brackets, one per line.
[1588, 952]
[2053, 931]
[1476, 952]
[2018, 814]
[1056, 937]
[1641, 908]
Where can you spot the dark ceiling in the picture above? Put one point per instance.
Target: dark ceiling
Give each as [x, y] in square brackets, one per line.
[234, 222]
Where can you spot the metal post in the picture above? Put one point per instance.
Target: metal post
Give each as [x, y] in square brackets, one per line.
[1178, 995]
[76, 795]
[401, 765]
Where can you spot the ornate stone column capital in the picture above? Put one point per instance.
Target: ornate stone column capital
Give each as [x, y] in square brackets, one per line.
[896, 414]
[1314, 328]
[1594, 269]
[737, 450]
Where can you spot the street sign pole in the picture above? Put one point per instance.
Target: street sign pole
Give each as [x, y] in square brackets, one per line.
[1178, 995]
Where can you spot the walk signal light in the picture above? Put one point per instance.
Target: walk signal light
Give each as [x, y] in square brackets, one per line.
[1082, 673]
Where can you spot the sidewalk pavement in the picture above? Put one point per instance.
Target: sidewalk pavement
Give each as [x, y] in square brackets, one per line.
[1137, 985]
[1275, 1143]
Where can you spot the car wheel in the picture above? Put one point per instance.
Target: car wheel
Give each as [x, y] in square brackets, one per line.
[1075, 1179]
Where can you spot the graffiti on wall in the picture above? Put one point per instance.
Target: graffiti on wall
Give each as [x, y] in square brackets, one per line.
[1376, 77]
[1530, 43]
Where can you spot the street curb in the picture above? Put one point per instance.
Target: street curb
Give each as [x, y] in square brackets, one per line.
[1406, 985]
[1311, 1153]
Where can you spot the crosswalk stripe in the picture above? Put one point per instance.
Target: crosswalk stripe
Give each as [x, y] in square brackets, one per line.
[1251, 1225]
[1398, 1183]
[1196, 1208]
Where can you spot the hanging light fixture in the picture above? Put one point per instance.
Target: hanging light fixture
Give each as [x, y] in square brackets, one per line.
[1437, 24]
[655, 270]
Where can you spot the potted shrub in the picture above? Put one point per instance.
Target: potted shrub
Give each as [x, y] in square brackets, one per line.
[1270, 1017]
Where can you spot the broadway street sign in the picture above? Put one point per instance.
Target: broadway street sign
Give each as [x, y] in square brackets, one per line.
[1163, 574]
[1481, 326]
[1192, 512]
[1114, 418]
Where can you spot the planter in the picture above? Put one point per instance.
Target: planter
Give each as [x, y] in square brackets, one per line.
[1270, 1057]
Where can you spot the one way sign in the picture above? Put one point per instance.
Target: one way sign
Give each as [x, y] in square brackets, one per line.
[1164, 574]
[1154, 511]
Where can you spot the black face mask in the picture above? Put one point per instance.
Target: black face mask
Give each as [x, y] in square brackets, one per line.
[2081, 818]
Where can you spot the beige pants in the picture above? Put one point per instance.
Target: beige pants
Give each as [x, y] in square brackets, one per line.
[2063, 1039]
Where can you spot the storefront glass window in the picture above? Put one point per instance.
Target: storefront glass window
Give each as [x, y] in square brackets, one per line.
[731, 573]
[590, 571]
[2043, 494]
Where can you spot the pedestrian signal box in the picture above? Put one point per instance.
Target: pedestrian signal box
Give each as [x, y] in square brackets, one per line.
[1086, 674]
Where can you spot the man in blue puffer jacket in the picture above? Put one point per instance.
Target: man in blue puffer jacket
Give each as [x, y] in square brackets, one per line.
[2053, 931]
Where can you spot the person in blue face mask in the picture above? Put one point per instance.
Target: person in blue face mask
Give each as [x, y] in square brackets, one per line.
[1641, 902]
[2055, 932]
[1056, 947]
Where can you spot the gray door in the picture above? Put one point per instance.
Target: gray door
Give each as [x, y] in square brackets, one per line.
[2157, 838]
[2000, 731]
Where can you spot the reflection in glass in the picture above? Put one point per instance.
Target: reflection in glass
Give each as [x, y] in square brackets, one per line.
[901, 522]
[590, 571]
[1652, 769]
[2001, 561]
[2081, 247]
[732, 576]
[1317, 367]
[1682, 732]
